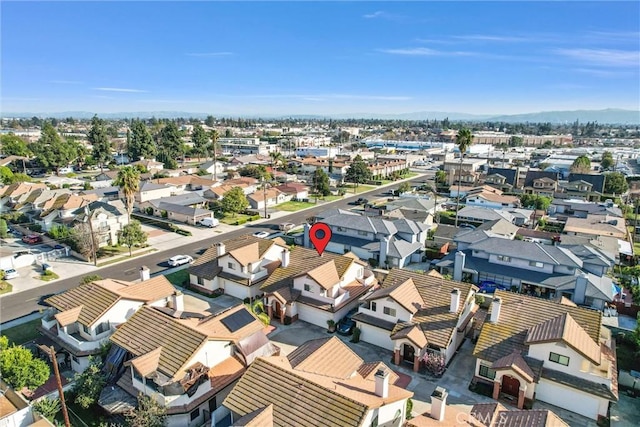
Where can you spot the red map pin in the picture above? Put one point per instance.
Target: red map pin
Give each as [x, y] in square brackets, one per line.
[320, 234]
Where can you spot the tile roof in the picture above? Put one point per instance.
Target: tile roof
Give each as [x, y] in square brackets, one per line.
[303, 260]
[518, 314]
[494, 414]
[225, 372]
[410, 331]
[433, 317]
[67, 317]
[149, 329]
[516, 362]
[326, 275]
[146, 364]
[261, 417]
[93, 299]
[325, 356]
[246, 254]
[214, 327]
[368, 371]
[564, 328]
[405, 293]
[581, 384]
[530, 251]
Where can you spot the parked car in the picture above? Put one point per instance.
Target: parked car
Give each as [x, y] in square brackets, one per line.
[179, 260]
[361, 201]
[489, 287]
[10, 274]
[346, 325]
[261, 234]
[32, 239]
[209, 222]
[287, 226]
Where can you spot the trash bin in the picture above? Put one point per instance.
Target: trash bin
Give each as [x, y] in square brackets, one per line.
[46, 267]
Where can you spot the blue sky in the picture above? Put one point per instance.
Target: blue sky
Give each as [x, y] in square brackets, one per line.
[320, 57]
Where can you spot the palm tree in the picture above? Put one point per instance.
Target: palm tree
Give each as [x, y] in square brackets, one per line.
[128, 180]
[214, 135]
[464, 140]
[276, 159]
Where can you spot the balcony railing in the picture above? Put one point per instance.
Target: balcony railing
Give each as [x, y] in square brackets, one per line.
[79, 343]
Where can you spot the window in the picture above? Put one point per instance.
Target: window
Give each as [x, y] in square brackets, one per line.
[307, 287]
[504, 258]
[75, 359]
[200, 281]
[194, 414]
[487, 372]
[389, 311]
[536, 264]
[102, 327]
[558, 358]
[231, 265]
[136, 375]
[85, 329]
[373, 306]
[213, 405]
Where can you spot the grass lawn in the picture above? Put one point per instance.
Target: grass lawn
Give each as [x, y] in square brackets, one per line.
[109, 251]
[122, 258]
[361, 188]
[231, 220]
[293, 206]
[23, 333]
[48, 277]
[329, 198]
[5, 287]
[636, 248]
[178, 278]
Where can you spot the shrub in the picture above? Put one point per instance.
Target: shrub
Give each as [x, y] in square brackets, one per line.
[356, 335]
[409, 409]
[149, 210]
[241, 221]
[182, 232]
[48, 408]
[373, 262]
[434, 363]
[35, 227]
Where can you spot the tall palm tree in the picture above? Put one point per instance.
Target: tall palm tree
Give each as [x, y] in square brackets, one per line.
[214, 136]
[464, 140]
[128, 180]
[276, 159]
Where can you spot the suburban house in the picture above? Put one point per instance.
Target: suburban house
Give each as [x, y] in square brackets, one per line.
[150, 190]
[185, 182]
[188, 362]
[389, 242]
[107, 221]
[82, 319]
[32, 203]
[384, 168]
[294, 190]
[218, 190]
[61, 210]
[489, 197]
[481, 415]
[321, 383]
[596, 180]
[315, 288]
[268, 197]
[149, 164]
[481, 215]
[413, 314]
[15, 410]
[212, 167]
[510, 176]
[578, 272]
[237, 266]
[541, 182]
[562, 209]
[185, 208]
[597, 225]
[471, 169]
[536, 349]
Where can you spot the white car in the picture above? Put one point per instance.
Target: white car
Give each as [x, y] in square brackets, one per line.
[261, 234]
[10, 274]
[179, 260]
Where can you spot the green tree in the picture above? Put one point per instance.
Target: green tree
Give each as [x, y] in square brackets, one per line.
[149, 413]
[277, 160]
[535, 201]
[321, 182]
[516, 141]
[4, 230]
[128, 180]
[171, 145]
[441, 177]
[214, 147]
[234, 201]
[404, 187]
[140, 142]
[210, 121]
[257, 308]
[90, 278]
[464, 139]
[582, 164]
[13, 145]
[615, 183]
[132, 234]
[99, 140]
[258, 172]
[48, 408]
[52, 151]
[89, 384]
[607, 161]
[358, 172]
[6, 175]
[200, 141]
[19, 368]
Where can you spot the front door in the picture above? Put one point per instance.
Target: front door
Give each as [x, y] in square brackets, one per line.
[408, 353]
[276, 310]
[510, 385]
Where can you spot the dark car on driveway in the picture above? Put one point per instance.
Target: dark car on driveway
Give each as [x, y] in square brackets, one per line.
[346, 325]
[32, 239]
[489, 287]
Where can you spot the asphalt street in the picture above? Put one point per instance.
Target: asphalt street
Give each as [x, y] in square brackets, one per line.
[26, 302]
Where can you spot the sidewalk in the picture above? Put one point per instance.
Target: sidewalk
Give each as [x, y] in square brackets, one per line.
[160, 240]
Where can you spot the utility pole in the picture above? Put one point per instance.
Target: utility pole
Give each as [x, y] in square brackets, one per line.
[264, 195]
[91, 236]
[54, 362]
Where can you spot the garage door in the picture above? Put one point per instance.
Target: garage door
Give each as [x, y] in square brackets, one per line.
[313, 315]
[375, 336]
[567, 398]
[235, 290]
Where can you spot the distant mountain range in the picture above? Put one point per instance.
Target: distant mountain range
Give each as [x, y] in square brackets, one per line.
[610, 115]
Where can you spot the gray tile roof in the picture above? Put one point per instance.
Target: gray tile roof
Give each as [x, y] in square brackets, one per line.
[404, 225]
[484, 214]
[399, 248]
[361, 223]
[183, 210]
[529, 251]
[185, 199]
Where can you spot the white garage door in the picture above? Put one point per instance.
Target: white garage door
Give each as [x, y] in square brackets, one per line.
[236, 290]
[567, 398]
[375, 336]
[313, 315]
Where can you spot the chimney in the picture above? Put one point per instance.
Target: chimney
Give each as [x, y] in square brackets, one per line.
[177, 301]
[286, 257]
[384, 250]
[455, 301]
[580, 290]
[438, 403]
[382, 383]
[221, 249]
[306, 242]
[458, 266]
[496, 305]
[145, 274]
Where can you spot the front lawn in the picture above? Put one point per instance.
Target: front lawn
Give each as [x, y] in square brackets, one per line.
[23, 333]
[178, 278]
[360, 189]
[293, 206]
[329, 198]
[5, 287]
[48, 276]
[229, 219]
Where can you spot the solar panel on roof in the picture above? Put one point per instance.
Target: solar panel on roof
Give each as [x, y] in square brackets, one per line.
[237, 320]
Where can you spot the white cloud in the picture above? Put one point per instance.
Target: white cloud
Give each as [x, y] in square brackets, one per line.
[425, 51]
[603, 57]
[493, 38]
[119, 89]
[208, 54]
[373, 15]
[66, 82]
